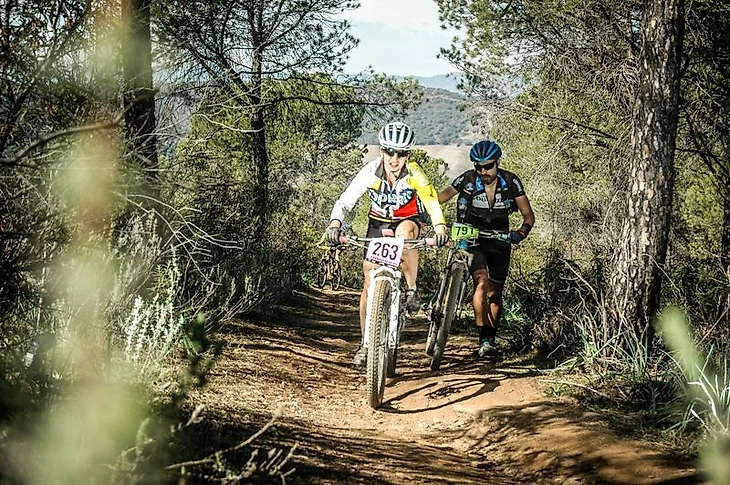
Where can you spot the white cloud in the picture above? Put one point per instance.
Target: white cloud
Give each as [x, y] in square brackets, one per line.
[398, 37]
[418, 15]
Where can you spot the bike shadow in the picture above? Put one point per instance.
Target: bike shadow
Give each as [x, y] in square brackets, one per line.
[440, 390]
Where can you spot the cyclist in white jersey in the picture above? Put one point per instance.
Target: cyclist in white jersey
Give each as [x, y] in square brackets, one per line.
[394, 185]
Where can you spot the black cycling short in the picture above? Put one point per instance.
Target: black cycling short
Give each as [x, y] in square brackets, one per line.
[492, 255]
[375, 228]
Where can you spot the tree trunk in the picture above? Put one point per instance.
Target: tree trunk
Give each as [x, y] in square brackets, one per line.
[139, 98]
[725, 236]
[725, 254]
[641, 250]
[258, 127]
[260, 155]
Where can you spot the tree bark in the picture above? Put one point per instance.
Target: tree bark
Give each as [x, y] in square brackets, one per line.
[258, 127]
[260, 154]
[725, 235]
[641, 251]
[139, 97]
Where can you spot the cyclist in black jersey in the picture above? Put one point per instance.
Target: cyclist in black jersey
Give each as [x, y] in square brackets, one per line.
[394, 185]
[487, 196]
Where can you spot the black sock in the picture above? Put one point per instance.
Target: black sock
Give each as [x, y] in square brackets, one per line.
[486, 333]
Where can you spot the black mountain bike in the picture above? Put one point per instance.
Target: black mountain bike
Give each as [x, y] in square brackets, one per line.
[447, 304]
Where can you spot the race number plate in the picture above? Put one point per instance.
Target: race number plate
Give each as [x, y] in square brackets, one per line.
[386, 250]
[463, 231]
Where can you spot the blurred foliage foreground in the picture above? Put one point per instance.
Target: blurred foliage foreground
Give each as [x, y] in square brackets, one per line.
[115, 279]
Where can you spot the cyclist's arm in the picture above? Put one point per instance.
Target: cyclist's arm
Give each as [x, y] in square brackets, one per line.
[523, 205]
[447, 194]
[453, 189]
[427, 194]
[358, 186]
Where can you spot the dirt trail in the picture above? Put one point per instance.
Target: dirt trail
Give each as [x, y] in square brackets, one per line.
[472, 422]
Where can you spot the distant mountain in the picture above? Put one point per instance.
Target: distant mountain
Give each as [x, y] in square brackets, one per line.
[442, 118]
[441, 81]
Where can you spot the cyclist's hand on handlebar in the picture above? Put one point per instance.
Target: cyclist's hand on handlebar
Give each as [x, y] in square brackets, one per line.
[333, 233]
[441, 240]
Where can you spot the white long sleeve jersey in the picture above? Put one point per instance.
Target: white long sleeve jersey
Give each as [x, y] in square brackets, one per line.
[390, 203]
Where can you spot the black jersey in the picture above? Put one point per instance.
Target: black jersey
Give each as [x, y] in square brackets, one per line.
[473, 205]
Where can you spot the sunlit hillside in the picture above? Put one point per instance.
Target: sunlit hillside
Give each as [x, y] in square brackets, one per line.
[442, 118]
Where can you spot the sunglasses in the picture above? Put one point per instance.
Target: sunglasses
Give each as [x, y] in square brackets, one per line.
[484, 166]
[400, 153]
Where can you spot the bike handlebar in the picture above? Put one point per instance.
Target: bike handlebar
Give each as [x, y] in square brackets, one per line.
[494, 234]
[415, 243]
[488, 234]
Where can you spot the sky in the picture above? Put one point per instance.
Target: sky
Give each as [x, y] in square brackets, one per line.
[398, 37]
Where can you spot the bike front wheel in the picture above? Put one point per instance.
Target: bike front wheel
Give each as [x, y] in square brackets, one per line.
[449, 304]
[322, 273]
[378, 343]
[336, 277]
[433, 329]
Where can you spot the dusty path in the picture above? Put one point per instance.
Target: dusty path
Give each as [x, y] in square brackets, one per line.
[472, 422]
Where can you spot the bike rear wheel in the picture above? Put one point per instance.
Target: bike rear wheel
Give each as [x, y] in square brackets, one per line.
[449, 304]
[322, 271]
[378, 343]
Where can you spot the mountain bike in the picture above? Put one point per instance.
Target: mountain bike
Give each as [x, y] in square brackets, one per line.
[329, 268]
[447, 303]
[385, 315]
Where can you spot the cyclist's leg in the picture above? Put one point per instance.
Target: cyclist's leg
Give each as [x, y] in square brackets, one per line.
[409, 229]
[481, 284]
[480, 276]
[361, 355]
[498, 261]
[494, 303]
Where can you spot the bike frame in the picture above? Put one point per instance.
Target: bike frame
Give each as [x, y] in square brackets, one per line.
[457, 255]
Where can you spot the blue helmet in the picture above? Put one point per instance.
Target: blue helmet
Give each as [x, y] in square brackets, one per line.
[485, 150]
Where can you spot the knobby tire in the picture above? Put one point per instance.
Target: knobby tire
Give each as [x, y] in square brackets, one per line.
[322, 273]
[336, 277]
[378, 343]
[448, 305]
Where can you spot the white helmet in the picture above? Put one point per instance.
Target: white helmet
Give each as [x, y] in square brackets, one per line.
[396, 135]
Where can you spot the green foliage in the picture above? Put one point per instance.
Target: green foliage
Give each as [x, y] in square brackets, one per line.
[153, 328]
[708, 390]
